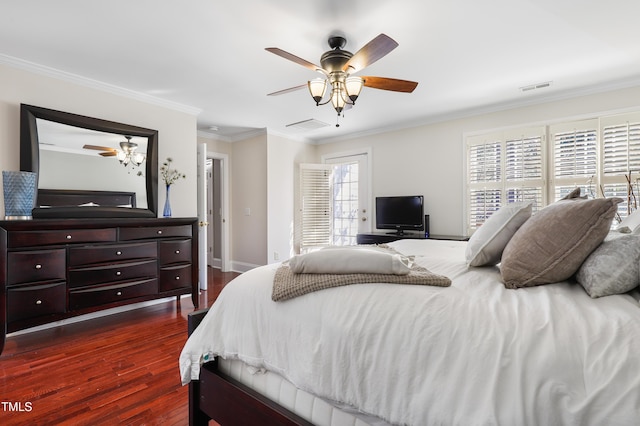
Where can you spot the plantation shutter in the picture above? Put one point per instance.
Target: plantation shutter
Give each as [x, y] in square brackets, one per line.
[621, 160]
[504, 167]
[484, 171]
[315, 206]
[575, 157]
[524, 167]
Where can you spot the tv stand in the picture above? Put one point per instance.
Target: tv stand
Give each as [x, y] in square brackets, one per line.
[384, 237]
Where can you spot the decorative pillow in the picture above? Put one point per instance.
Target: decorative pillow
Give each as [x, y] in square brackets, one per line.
[351, 260]
[574, 194]
[632, 222]
[613, 267]
[551, 246]
[486, 244]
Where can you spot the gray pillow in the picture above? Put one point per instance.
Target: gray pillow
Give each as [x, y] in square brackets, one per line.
[551, 246]
[486, 244]
[612, 268]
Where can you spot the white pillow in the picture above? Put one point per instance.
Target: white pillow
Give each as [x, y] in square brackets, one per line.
[351, 260]
[486, 245]
[632, 222]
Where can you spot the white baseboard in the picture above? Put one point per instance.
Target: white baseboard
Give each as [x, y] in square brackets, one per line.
[242, 266]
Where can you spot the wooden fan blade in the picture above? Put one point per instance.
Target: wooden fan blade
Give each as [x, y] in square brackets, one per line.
[371, 52]
[290, 89]
[392, 84]
[108, 154]
[99, 148]
[294, 58]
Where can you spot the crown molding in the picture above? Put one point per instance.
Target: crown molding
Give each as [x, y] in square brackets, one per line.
[95, 84]
[488, 109]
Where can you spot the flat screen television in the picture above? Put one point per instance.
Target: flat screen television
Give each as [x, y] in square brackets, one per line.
[401, 213]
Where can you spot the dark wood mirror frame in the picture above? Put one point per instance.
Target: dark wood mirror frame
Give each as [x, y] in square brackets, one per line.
[30, 160]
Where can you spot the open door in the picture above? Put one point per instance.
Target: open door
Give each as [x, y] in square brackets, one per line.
[202, 215]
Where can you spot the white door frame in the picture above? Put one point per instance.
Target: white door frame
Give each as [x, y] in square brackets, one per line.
[225, 253]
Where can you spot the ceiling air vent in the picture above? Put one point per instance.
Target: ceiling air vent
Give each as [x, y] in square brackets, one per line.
[536, 86]
[310, 124]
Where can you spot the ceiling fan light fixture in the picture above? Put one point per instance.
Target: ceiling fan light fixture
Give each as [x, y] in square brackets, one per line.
[353, 86]
[128, 153]
[337, 99]
[317, 88]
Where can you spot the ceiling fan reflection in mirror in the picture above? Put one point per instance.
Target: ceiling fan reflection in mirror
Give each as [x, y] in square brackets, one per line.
[338, 67]
[127, 153]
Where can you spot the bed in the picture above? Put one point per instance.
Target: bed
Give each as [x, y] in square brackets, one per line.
[72, 203]
[473, 353]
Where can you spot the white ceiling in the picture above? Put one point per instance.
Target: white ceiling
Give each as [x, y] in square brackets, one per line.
[467, 55]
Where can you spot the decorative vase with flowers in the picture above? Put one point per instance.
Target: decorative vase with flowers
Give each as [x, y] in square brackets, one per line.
[169, 177]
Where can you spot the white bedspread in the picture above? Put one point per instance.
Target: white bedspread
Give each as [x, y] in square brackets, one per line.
[474, 353]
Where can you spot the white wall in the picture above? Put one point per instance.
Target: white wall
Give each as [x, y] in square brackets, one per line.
[429, 159]
[249, 202]
[283, 157]
[176, 126]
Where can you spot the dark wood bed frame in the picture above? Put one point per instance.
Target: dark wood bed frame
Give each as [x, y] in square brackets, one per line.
[74, 198]
[218, 397]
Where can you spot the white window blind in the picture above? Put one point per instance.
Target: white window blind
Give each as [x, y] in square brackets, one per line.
[503, 167]
[575, 157]
[315, 206]
[621, 160]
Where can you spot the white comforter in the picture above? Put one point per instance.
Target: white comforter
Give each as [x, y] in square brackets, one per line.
[474, 353]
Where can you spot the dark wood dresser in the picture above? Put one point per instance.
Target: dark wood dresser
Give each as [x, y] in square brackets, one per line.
[53, 269]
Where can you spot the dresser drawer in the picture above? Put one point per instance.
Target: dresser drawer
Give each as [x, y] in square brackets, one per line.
[94, 296]
[154, 232]
[34, 301]
[40, 238]
[89, 255]
[174, 277]
[34, 266]
[90, 275]
[175, 251]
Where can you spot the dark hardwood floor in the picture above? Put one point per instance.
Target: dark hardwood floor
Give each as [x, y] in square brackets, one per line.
[120, 369]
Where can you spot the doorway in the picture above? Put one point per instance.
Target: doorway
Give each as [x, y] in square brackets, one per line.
[213, 212]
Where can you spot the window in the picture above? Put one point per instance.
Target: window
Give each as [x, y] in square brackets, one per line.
[621, 160]
[575, 147]
[600, 155]
[345, 203]
[502, 168]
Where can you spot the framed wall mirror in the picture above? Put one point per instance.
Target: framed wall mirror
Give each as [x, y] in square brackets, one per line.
[88, 167]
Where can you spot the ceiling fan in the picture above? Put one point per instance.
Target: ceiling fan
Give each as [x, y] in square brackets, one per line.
[126, 154]
[106, 151]
[338, 67]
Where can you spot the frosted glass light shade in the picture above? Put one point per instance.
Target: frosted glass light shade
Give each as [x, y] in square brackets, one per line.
[317, 88]
[353, 86]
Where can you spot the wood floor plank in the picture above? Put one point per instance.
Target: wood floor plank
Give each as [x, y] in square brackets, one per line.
[120, 369]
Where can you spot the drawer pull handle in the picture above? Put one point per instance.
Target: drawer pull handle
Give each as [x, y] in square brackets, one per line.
[177, 251]
[38, 302]
[68, 237]
[38, 266]
[118, 253]
[178, 278]
[118, 273]
[159, 231]
[119, 293]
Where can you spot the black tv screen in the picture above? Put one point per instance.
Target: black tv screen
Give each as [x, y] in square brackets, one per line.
[402, 213]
